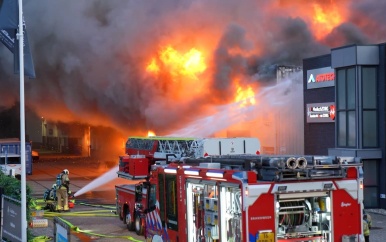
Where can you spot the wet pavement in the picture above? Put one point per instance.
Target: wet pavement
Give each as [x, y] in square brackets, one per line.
[378, 230]
[93, 217]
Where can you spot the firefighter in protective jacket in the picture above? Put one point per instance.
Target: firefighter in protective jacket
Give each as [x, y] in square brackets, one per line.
[366, 229]
[50, 197]
[63, 182]
[50, 194]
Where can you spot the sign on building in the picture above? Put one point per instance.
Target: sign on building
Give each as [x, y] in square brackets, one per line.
[321, 112]
[322, 77]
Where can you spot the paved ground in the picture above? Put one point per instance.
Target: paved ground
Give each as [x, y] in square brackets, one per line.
[378, 231]
[94, 210]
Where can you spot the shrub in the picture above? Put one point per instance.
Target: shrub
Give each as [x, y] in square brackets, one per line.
[12, 188]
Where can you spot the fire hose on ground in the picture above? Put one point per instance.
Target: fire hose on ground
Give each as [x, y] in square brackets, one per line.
[106, 212]
[87, 232]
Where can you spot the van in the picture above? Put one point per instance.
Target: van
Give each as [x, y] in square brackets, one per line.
[10, 160]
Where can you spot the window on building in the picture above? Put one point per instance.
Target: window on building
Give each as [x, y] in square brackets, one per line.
[370, 180]
[369, 104]
[346, 107]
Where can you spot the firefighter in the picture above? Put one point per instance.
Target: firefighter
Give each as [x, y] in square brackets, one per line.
[63, 182]
[50, 197]
[366, 229]
[50, 194]
[368, 219]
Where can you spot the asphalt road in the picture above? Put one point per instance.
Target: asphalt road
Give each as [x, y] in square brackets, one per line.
[93, 217]
[378, 231]
[84, 172]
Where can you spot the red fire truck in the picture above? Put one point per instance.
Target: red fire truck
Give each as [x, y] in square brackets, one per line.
[142, 153]
[255, 198]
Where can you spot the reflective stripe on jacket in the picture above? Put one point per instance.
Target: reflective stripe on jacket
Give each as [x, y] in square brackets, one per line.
[366, 230]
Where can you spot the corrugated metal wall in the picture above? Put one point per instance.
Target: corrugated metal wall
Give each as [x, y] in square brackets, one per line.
[281, 129]
[289, 120]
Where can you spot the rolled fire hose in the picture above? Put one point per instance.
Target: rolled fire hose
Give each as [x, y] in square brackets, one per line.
[94, 213]
[292, 163]
[302, 163]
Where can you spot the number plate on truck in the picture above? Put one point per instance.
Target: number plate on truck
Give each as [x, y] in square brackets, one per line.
[266, 237]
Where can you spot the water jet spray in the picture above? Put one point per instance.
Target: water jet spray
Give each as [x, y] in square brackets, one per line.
[103, 179]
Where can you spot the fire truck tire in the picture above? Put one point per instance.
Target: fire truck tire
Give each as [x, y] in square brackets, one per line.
[139, 228]
[129, 221]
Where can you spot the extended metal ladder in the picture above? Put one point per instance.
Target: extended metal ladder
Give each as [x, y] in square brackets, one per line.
[177, 147]
[166, 145]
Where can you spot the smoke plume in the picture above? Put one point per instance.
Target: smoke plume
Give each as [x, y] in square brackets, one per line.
[91, 56]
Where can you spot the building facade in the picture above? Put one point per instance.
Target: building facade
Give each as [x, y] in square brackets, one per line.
[344, 103]
[279, 127]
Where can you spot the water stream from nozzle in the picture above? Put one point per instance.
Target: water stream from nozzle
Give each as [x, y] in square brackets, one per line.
[103, 179]
[285, 93]
[271, 99]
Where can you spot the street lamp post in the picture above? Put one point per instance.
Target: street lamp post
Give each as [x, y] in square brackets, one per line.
[20, 36]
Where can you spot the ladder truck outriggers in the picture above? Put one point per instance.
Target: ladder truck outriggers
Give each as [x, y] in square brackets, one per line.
[142, 153]
[255, 198]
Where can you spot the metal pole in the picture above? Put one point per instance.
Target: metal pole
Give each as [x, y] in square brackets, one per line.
[20, 36]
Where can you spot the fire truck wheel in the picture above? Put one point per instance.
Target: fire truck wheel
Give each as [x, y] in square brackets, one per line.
[120, 214]
[139, 229]
[129, 221]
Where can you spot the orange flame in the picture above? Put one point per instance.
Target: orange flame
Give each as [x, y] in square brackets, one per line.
[245, 96]
[321, 16]
[189, 64]
[153, 67]
[150, 133]
[326, 18]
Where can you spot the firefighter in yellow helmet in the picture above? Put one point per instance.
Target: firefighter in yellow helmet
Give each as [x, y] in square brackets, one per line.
[63, 182]
[366, 229]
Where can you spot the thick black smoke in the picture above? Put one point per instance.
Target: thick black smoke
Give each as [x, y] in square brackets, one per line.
[90, 56]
